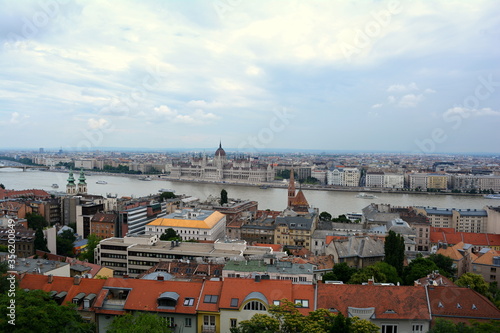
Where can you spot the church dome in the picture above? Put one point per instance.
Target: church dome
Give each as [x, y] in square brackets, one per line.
[220, 151]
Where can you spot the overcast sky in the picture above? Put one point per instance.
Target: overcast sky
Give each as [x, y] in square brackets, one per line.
[419, 76]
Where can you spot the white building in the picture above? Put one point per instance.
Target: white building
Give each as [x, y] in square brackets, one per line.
[374, 179]
[191, 224]
[393, 180]
[351, 177]
[418, 180]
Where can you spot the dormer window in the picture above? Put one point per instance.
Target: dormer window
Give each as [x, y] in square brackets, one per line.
[459, 306]
[440, 305]
[474, 307]
[390, 311]
[168, 299]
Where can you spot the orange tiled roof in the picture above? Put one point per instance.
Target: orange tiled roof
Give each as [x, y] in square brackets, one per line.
[211, 288]
[487, 258]
[275, 247]
[405, 301]
[450, 236]
[300, 199]
[461, 302]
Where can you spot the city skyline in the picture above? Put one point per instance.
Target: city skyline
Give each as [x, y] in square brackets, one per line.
[357, 76]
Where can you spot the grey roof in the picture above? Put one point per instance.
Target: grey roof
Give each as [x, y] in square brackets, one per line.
[359, 247]
[27, 265]
[449, 211]
[154, 276]
[296, 222]
[170, 294]
[257, 295]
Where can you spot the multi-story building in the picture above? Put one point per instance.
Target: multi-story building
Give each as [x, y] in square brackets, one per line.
[335, 176]
[437, 181]
[24, 240]
[274, 270]
[103, 225]
[493, 219]
[351, 177]
[417, 181]
[465, 220]
[356, 251]
[393, 180]
[133, 217]
[374, 179]
[135, 255]
[487, 265]
[191, 224]
[295, 231]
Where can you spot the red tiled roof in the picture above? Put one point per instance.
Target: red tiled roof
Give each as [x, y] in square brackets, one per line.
[406, 302]
[104, 217]
[59, 284]
[273, 290]
[211, 288]
[460, 302]
[450, 236]
[23, 193]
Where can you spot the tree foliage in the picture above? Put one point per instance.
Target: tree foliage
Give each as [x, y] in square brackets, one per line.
[37, 312]
[166, 195]
[2, 186]
[473, 281]
[64, 243]
[169, 235]
[36, 221]
[394, 249]
[418, 268]
[340, 272]
[325, 216]
[447, 326]
[367, 273]
[223, 197]
[143, 322]
[444, 263]
[40, 241]
[285, 318]
[92, 243]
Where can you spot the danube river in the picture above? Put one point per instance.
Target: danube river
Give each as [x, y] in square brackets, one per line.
[334, 202]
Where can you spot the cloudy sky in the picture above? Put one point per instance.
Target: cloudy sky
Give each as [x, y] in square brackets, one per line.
[419, 76]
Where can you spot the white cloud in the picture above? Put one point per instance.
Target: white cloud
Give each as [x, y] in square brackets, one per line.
[391, 99]
[429, 91]
[198, 117]
[410, 100]
[375, 106]
[97, 123]
[466, 112]
[15, 118]
[402, 87]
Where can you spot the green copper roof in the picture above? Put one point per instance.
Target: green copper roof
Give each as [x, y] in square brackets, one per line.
[82, 177]
[71, 179]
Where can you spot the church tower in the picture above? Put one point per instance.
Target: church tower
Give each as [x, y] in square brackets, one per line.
[82, 185]
[291, 189]
[71, 187]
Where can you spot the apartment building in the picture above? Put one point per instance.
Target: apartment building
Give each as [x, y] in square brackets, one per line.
[462, 220]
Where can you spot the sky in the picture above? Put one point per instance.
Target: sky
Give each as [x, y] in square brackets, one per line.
[402, 76]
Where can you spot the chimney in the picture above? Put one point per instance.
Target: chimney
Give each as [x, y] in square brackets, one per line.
[77, 279]
[161, 278]
[51, 278]
[371, 281]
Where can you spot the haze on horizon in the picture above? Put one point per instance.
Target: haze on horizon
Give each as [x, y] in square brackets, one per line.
[418, 76]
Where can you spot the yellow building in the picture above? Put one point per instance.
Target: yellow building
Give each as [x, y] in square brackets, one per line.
[438, 182]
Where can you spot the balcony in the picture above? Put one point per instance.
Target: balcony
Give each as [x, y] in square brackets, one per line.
[208, 329]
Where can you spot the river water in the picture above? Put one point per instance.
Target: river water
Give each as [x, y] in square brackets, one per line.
[334, 202]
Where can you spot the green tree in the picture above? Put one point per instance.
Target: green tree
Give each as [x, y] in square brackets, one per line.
[40, 241]
[418, 268]
[143, 322]
[363, 326]
[341, 219]
[259, 323]
[166, 195]
[2, 186]
[169, 235]
[340, 272]
[4, 248]
[37, 312]
[223, 197]
[394, 248]
[391, 275]
[36, 221]
[367, 273]
[447, 326]
[475, 282]
[444, 263]
[325, 216]
[92, 243]
[64, 243]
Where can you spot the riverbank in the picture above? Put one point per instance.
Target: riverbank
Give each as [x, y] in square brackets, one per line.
[265, 185]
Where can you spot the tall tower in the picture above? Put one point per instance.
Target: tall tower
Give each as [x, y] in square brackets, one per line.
[291, 189]
[71, 187]
[219, 161]
[82, 185]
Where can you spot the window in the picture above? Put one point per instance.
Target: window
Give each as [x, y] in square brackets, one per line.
[234, 302]
[277, 303]
[417, 328]
[187, 322]
[210, 299]
[233, 322]
[255, 305]
[188, 301]
[169, 321]
[209, 321]
[304, 303]
[389, 328]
